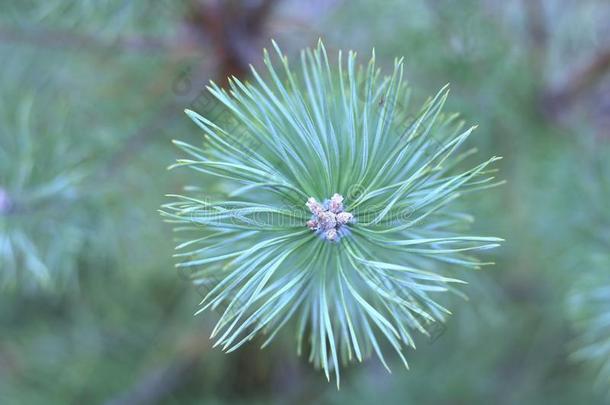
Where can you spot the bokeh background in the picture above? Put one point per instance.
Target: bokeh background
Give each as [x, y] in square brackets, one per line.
[91, 93]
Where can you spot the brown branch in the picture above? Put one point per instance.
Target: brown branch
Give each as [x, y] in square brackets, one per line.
[233, 30]
[537, 29]
[536, 23]
[257, 17]
[582, 79]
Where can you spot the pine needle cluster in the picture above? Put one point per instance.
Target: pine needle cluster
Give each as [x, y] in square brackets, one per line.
[340, 209]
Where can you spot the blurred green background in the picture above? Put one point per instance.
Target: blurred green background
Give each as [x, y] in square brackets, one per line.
[91, 307]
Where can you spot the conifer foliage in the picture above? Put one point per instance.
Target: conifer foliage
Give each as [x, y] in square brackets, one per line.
[340, 208]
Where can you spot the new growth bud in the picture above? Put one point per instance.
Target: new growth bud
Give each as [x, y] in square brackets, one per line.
[328, 219]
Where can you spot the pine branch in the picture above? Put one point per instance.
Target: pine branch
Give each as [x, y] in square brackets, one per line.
[63, 39]
[340, 211]
[579, 81]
